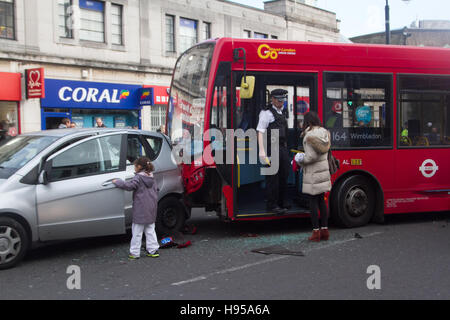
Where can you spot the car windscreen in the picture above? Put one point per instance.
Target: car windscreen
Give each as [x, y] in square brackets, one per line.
[19, 151]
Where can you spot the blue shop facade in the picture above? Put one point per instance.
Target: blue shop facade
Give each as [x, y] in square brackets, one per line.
[83, 102]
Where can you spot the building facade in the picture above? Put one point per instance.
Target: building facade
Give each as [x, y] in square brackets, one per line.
[427, 33]
[113, 59]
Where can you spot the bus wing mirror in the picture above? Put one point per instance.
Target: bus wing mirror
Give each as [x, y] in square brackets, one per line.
[247, 87]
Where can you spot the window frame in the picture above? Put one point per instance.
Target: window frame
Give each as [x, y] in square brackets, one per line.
[14, 24]
[66, 15]
[398, 109]
[172, 34]
[122, 164]
[104, 24]
[206, 30]
[121, 8]
[391, 101]
[197, 25]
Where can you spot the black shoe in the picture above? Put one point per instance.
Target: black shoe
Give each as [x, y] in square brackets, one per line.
[277, 210]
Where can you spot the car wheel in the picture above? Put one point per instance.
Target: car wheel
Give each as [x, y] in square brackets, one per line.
[171, 216]
[13, 242]
[354, 202]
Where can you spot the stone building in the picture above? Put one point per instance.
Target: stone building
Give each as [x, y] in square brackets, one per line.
[96, 56]
[428, 33]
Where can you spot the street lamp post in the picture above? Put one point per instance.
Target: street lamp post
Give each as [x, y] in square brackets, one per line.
[388, 27]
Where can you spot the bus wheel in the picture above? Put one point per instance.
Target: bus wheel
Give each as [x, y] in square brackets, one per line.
[354, 203]
[171, 216]
[13, 243]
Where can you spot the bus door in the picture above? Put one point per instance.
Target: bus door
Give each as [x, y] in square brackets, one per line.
[249, 182]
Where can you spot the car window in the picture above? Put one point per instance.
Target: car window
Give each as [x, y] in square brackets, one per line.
[19, 151]
[155, 145]
[97, 156]
[135, 149]
[138, 148]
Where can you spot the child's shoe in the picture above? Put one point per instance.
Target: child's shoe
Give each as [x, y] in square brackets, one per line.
[153, 255]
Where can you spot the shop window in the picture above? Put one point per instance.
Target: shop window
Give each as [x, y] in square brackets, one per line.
[92, 157]
[170, 33]
[92, 18]
[8, 121]
[117, 24]
[424, 111]
[188, 34]
[7, 24]
[358, 109]
[65, 23]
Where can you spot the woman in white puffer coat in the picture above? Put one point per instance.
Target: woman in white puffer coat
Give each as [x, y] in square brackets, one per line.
[316, 173]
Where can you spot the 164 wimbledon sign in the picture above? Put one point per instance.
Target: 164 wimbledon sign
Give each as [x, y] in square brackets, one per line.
[92, 95]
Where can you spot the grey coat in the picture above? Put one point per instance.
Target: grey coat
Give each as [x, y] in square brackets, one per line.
[145, 197]
[316, 173]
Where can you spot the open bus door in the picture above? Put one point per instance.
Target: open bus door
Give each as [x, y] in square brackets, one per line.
[248, 182]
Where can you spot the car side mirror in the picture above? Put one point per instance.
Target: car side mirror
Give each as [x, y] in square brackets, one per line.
[43, 177]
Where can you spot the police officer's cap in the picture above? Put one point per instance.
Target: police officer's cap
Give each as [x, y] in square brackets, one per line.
[279, 94]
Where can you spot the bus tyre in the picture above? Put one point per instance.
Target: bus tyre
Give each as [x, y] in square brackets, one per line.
[14, 242]
[354, 202]
[171, 216]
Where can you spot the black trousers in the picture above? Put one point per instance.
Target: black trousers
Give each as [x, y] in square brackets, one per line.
[318, 203]
[276, 184]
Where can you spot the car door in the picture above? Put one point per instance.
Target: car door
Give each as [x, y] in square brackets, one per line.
[79, 199]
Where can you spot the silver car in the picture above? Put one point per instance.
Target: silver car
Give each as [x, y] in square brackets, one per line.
[57, 185]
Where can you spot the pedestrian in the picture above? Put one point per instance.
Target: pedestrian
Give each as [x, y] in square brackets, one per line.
[65, 123]
[316, 173]
[145, 202]
[273, 118]
[99, 123]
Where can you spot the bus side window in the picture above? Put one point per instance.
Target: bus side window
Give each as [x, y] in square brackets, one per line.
[424, 110]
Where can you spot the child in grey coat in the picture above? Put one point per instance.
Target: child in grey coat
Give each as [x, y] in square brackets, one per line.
[145, 204]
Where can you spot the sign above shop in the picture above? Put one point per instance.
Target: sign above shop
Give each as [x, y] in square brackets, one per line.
[35, 83]
[158, 95]
[146, 96]
[10, 89]
[90, 95]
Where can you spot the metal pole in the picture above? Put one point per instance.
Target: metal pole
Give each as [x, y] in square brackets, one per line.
[388, 28]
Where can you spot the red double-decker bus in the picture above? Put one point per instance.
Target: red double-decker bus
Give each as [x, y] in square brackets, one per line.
[387, 109]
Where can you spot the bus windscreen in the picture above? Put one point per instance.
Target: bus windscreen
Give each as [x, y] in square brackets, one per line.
[186, 112]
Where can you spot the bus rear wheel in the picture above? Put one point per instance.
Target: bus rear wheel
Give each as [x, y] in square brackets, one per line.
[354, 202]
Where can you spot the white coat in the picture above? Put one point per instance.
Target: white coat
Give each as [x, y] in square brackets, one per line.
[316, 173]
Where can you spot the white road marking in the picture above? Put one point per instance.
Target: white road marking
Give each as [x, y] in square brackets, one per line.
[249, 265]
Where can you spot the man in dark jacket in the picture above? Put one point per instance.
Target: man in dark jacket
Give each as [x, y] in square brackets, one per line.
[273, 118]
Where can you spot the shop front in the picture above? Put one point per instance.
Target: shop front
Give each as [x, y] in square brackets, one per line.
[85, 103]
[159, 102]
[10, 96]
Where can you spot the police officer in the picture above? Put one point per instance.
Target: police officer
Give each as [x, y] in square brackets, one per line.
[272, 118]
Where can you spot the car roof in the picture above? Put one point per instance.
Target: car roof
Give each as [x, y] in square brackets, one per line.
[60, 133]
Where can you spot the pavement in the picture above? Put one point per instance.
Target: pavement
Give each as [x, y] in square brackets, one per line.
[408, 257]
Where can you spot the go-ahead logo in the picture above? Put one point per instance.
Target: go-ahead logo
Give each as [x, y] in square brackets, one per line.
[428, 168]
[265, 52]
